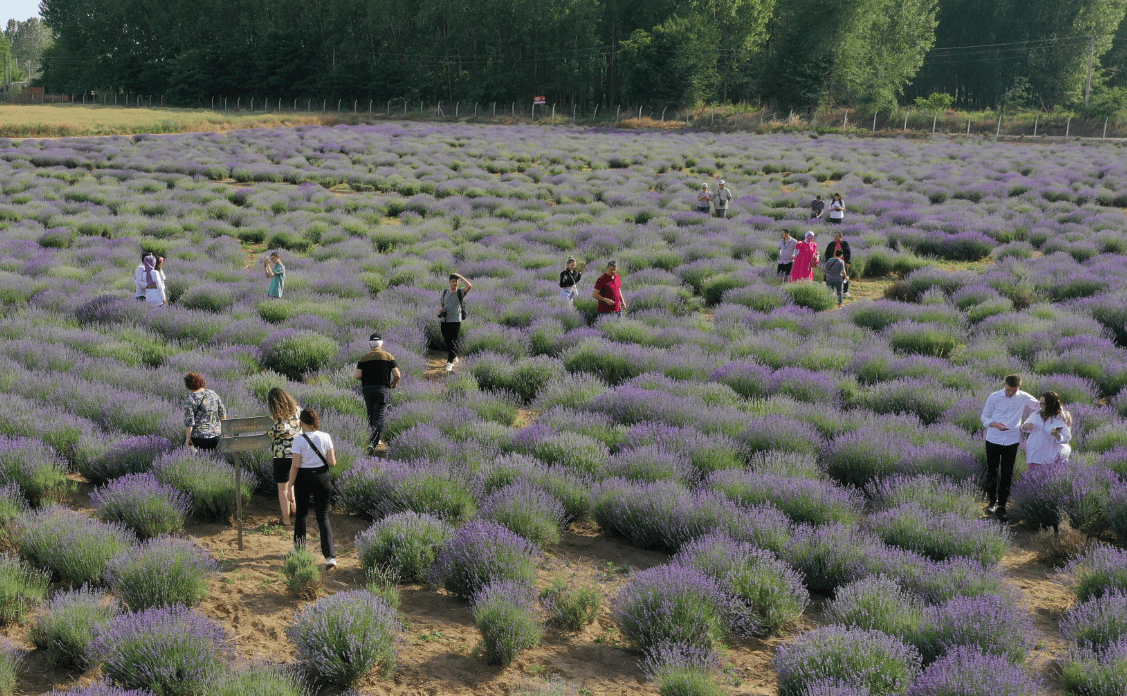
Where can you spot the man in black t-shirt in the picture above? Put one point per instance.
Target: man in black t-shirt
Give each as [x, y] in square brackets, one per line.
[378, 375]
[817, 207]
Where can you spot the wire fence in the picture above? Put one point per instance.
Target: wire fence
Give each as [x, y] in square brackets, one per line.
[727, 118]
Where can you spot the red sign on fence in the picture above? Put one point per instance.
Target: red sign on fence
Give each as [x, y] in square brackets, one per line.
[538, 101]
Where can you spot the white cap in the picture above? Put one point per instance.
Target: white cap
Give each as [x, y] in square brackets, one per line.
[722, 182]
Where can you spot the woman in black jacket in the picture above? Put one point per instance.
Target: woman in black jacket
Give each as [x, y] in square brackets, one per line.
[831, 249]
[569, 279]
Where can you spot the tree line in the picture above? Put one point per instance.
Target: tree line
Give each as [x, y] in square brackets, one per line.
[797, 54]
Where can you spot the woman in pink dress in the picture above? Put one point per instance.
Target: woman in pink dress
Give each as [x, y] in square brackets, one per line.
[805, 258]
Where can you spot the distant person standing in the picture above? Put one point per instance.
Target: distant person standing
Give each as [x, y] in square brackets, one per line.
[451, 316]
[1001, 416]
[704, 199]
[817, 207]
[569, 279]
[837, 209]
[721, 198]
[839, 244]
[805, 259]
[276, 272]
[787, 244]
[608, 291]
[284, 411]
[154, 282]
[378, 374]
[835, 274]
[139, 277]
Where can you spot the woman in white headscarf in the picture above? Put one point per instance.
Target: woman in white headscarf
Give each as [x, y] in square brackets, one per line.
[154, 282]
[805, 259]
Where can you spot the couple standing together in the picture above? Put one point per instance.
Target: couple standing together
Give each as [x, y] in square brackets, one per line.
[1047, 429]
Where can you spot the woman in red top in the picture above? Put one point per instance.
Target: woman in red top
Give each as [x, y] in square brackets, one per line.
[805, 259]
[608, 291]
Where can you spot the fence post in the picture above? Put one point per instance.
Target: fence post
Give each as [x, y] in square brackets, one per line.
[238, 103]
[933, 120]
[712, 121]
[639, 113]
[968, 124]
[663, 113]
[617, 112]
[998, 132]
[294, 105]
[456, 105]
[1067, 127]
[213, 103]
[475, 109]
[252, 103]
[338, 105]
[513, 109]
[1105, 130]
[553, 111]
[1035, 122]
[906, 112]
[875, 121]
[573, 112]
[596, 112]
[355, 103]
[845, 121]
[324, 105]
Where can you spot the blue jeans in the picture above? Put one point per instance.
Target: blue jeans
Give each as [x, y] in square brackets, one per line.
[835, 285]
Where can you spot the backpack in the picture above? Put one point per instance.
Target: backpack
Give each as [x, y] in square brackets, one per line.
[461, 303]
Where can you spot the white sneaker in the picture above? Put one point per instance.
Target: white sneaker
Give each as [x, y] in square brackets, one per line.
[848, 295]
[450, 367]
[456, 360]
[330, 563]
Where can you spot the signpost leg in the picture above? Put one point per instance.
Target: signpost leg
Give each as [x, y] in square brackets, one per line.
[239, 496]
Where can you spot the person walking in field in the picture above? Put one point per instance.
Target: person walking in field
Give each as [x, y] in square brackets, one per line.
[139, 277]
[835, 274]
[817, 208]
[203, 413]
[276, 272]
[313, 456]
[378, 374]
[1001, 416]
[787, 244]
[805, 259]
[1049, 433]
[720, 199]
[837, 209]
[451, 316]
[154, 282]
[839, 244]
[284, 411]
[704, 199]
[608, 291]
[569, 279]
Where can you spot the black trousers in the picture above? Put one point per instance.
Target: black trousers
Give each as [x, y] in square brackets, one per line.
[315, 483]
[784, 269]
[999, 472]
[450, 332]
[376, 400]
[205, 443]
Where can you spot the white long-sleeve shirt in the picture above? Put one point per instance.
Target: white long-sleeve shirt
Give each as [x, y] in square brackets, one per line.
[139, 279]
[1009, 411]
[1043, 447]
[786, 249]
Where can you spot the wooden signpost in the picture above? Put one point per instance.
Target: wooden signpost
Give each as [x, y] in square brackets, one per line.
[244, 435]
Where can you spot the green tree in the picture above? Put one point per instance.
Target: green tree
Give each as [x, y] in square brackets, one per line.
[676, 64]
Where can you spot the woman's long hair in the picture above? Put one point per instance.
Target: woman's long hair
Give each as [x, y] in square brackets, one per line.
[1053, 405]
[282, 405]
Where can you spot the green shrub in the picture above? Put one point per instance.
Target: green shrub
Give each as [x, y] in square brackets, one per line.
[302, 573]
[296, 354]
[815, 296]
[21, 586]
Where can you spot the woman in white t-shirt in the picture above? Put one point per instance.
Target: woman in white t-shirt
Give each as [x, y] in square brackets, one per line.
[837, 209]
[1049, 433]
[313, 455]
[153, 278]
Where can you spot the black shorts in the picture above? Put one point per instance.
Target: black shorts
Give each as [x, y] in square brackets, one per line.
[282, 469]
[834, 221]
[205, 443]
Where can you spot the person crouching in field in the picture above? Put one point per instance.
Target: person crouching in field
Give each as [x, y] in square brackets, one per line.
[284, 410]
[154, 282]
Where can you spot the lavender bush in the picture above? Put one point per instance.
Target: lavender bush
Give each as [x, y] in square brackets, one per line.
[506, 613]
[572, 608]
[302, 573]
[12, 504]
[257, 679]
[407, 542]
[829, 556]
[768, 595]
[1097, 623]
[101, 689]
[876, 603]
[66, 627]
[934, 492]
[346, 636]
[803, 500]
[684, 670]
[1101, 672]
[966, 671]
[526, 510]
[163, 571]
[11, 657]
[143, 504]
[168, 651]
[1101, 571]
[671, 604]
[71, 545]
[131, 455]
[21, 586]
[480, 553]
[993, 624]
[35, 468]
[208, 482]
[941, 536]
[871, 660]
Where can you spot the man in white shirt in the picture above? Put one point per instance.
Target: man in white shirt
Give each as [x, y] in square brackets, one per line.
[139, 277]
[1002, 415]
[720, 199]
[786, 254]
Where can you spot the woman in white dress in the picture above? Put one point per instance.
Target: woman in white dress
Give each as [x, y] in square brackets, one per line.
[154, 282]
[1049, 433]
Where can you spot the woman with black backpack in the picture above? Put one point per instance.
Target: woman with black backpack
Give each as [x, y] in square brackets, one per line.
[451, 316]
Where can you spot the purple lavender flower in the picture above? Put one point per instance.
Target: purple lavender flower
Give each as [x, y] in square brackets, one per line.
[163, 571]
[506, 613]
[66, 626]
[480, 553]
[101, 689]
[651, 463]
[69, 543]
[967, 671]
[865, 659]
[1097, 623]
[803, 500]
[671, 604]
[829, 556]
[993, 624]
[131, 455]
[142, 504]
[681, 668]
[344, 637]
[527, 510]
[1096, 672]
[1101, 571]
[406, 542]
[940, 536]
[170, 650]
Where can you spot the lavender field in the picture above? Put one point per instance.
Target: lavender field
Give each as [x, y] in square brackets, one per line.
[793, 485]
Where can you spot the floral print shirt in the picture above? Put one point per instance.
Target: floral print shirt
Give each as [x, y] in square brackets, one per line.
[202, 412]
[282, 435]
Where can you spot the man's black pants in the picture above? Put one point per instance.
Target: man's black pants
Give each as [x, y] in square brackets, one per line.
[999, 472]
[376, 399]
